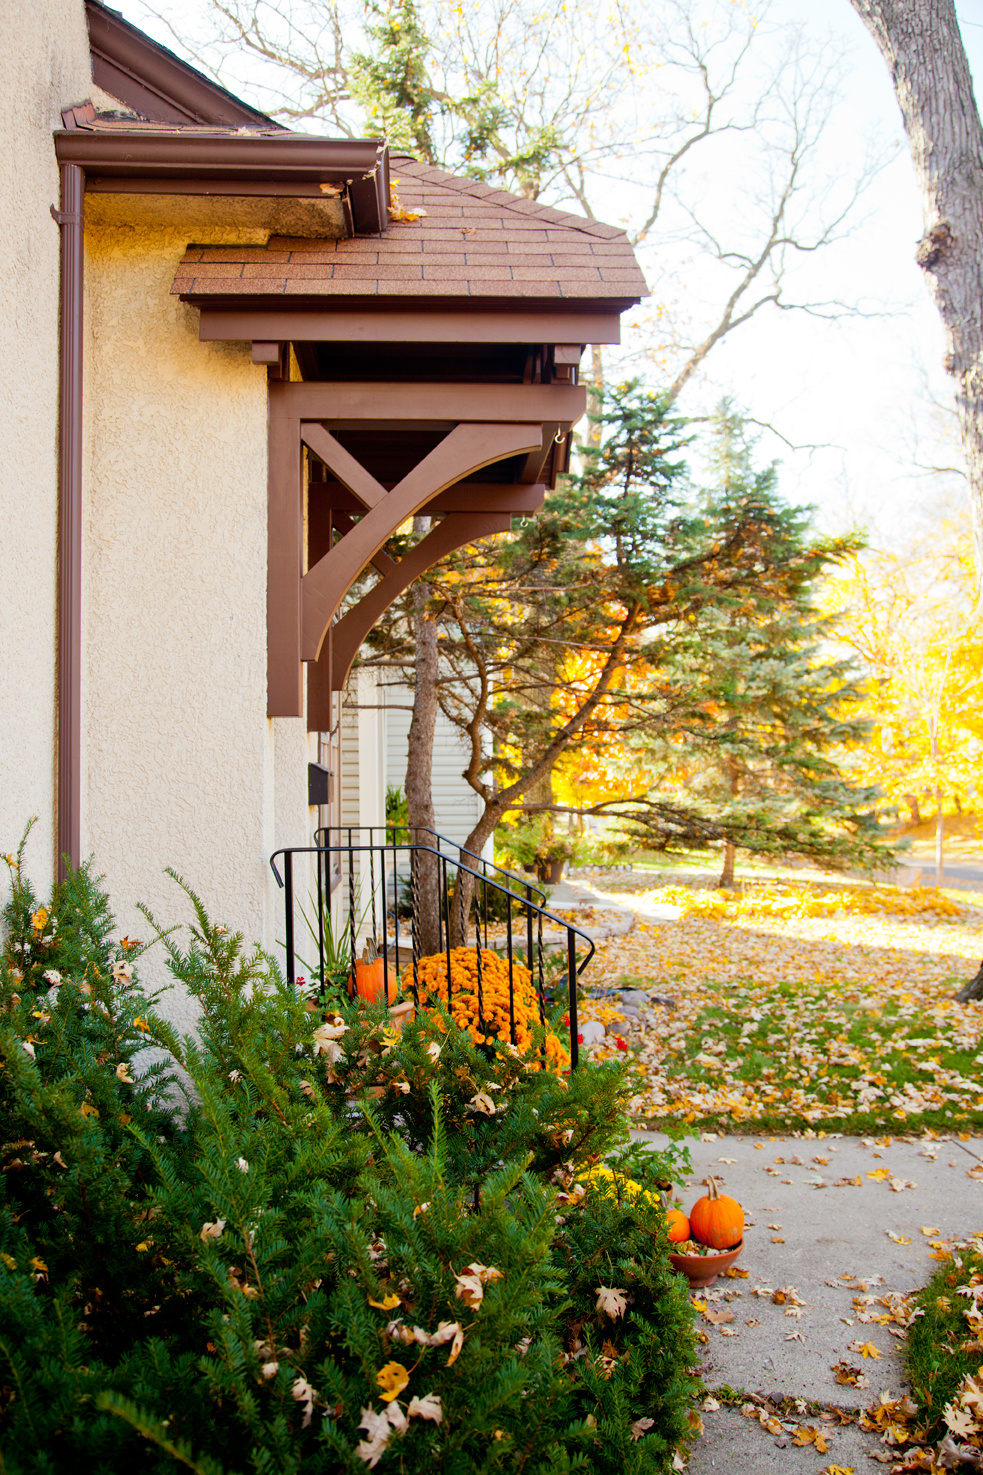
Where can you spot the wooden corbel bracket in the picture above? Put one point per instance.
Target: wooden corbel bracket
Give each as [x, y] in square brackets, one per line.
[330, 673]
[481, 424]
[300, 610]
[465, 450]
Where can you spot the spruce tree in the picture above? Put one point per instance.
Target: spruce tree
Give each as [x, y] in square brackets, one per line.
[771, 702]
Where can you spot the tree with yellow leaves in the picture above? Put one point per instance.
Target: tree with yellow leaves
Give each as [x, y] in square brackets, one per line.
[912, 618]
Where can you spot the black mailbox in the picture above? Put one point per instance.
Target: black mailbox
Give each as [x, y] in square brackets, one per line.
[319, 783]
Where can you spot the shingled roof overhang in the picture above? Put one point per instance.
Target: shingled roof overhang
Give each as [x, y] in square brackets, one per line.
[461, 262]
[141, 158]
[153, 81]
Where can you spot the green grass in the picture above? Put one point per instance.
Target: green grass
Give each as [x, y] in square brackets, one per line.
[934, 1354]
[802, 1061]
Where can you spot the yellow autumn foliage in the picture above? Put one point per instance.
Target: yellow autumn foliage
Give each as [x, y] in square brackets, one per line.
[810, 901]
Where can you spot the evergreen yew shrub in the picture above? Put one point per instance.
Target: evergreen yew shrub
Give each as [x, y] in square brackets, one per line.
[348, 1248]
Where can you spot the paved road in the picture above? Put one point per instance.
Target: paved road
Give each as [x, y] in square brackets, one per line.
[968, 875]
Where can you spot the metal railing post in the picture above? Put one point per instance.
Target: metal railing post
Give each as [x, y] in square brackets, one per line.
[288, 904]
[572, 985]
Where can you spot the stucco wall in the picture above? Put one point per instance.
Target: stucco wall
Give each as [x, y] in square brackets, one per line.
[182, 767]
[46, 68]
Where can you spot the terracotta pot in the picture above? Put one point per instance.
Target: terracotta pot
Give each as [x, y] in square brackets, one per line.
[702, 1270]
[400, 1014]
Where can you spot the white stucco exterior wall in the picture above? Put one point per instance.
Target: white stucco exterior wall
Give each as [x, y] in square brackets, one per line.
[46, 68]
[182, 767]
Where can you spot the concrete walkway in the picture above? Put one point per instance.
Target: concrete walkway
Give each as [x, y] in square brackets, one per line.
[833, 1247]
[573, 895]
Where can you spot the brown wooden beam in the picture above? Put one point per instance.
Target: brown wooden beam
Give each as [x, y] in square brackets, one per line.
[447, 403]
[532, 468]
[394, 322]
[457, 529]
[466, 449]
[381, 562]
[284, 568]
[466, 496]
[350, 473]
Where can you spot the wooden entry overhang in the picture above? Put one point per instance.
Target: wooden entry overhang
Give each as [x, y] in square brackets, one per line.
[430, 367]
[475, 426]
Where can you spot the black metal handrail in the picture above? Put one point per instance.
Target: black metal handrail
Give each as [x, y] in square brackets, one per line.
[487, 867]
[380, 872]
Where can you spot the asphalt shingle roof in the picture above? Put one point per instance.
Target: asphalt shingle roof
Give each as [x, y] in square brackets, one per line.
[472, 241]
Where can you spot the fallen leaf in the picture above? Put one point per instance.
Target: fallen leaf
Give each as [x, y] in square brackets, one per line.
[899, 1239]
[392, 1379]
[808, 1434]
[428, 1407]
[612, 1301]
[304, 1394]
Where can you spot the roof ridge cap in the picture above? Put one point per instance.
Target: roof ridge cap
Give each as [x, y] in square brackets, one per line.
[509, 201]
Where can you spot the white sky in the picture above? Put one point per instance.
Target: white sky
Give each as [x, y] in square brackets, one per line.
[859, 388]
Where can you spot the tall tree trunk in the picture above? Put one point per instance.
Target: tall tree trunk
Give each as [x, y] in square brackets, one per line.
[462, 921]
[419, 763]
[595, 394]
[912, 802]
[730, 851]
[939, 836]
[973, 989]
[922, 45]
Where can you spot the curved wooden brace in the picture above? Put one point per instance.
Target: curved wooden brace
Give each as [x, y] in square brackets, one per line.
[454, 531]
[466, 449]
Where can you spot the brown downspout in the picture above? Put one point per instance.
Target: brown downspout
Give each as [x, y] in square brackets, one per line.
[71, 221]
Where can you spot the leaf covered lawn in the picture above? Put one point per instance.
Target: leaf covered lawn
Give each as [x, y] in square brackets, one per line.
[805, 1006]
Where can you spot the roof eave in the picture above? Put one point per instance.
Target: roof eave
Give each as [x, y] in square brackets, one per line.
[196, 163]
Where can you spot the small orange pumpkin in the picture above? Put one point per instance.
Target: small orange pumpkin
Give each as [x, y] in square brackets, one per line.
[716, 1220]
[370, 979]
[677, 1226]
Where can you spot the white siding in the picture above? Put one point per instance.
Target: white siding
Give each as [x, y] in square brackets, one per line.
[456, 805]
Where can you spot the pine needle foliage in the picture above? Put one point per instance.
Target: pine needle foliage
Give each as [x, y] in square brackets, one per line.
[300, 1241]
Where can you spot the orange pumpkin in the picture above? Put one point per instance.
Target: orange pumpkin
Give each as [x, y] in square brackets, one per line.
[370, 981]
[716, 1220]
[677, 1226]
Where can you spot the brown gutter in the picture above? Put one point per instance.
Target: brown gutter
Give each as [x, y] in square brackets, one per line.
[71, 221]
[197, 163]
